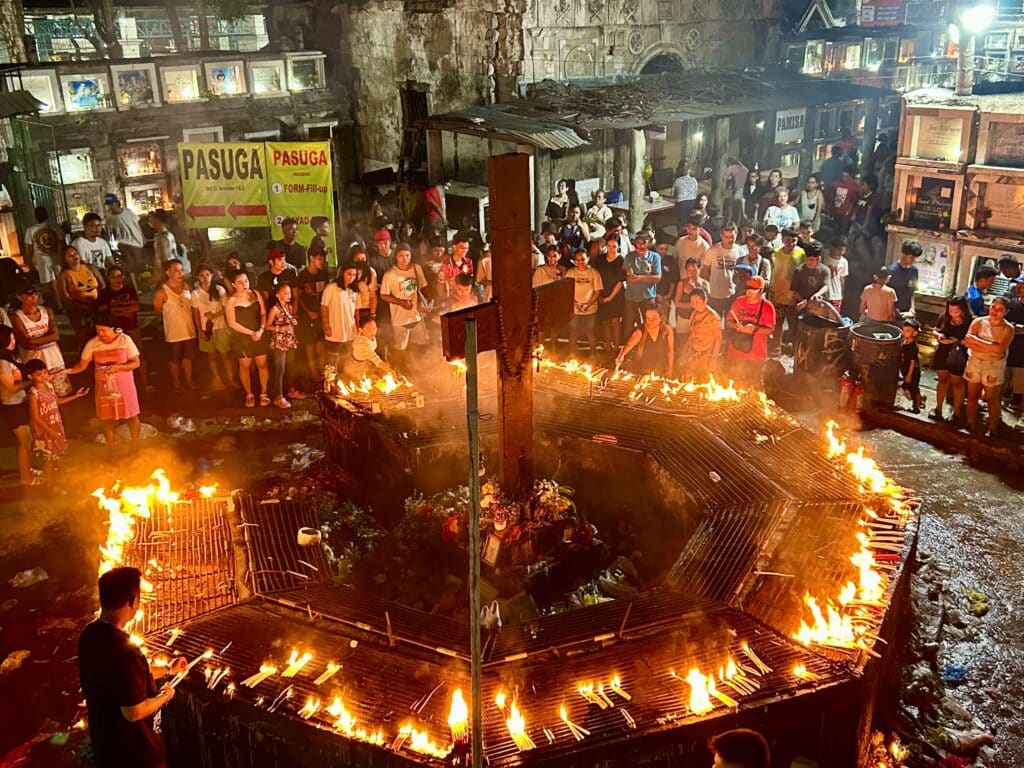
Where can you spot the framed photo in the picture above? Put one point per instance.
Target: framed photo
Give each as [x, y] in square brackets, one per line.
[207, 135]
[42, 84]
[72, 166]
[267, 78]
[305, 72]
[85, 91]
[492, 548]
[144, 198]
[135, 85]
[181, 83]
[225, 78]
[137, 160]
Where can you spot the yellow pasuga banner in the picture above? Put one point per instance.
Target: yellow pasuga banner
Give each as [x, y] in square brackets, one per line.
[224, 184]
[301, 187]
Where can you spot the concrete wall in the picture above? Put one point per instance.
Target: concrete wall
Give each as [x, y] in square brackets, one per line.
[468, 52]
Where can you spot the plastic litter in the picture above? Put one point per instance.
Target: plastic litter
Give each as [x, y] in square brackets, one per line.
[14, 660]
[181, 424]
[954, 674]
[29, 577]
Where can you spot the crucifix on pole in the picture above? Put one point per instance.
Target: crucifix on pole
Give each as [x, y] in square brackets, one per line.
[508, 325]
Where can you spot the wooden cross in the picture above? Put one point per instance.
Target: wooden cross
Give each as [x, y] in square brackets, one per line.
[506, 322]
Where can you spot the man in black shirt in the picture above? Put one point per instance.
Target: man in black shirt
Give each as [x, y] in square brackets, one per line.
[278, 271]
[321, 227]
[294, 251]
[117, 681]
[310, 286]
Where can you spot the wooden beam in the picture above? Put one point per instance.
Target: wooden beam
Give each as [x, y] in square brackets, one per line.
[509, 182]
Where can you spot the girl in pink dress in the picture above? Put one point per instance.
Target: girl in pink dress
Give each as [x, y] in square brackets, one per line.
[115, 356]
[48, 438]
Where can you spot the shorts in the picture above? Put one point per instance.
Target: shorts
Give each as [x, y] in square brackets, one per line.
[181, 350]
[309, 331]
[16, 415]
[583, 322]
[988, 373]
[404, 335]
[219, 342]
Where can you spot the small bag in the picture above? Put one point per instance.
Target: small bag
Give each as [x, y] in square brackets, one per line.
[956, 360]
[744, 342]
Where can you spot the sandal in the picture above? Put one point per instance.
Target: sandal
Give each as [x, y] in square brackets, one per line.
[250, 401]
[280, 402]
[194, 387]
[264, 401]
[294, 394]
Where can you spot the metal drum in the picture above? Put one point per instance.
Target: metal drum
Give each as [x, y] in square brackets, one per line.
[876, 359]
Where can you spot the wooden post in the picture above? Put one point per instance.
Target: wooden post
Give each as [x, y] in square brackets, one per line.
[720, 150]
[870, 132]
[636, 179]
[621, 166]
[435, 157]
[509, 180]
[473, 425]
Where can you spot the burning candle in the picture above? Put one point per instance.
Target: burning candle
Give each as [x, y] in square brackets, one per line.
[458, 717]
[420, 741]
[266, 670]
[328, 673]
[700, 699]
[516, 725]
[296, 663]
[616, 686]
[749, 652]
[499, 700]
[577, 731]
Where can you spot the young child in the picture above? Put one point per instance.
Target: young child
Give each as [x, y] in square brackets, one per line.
[910, 364]
[48, 438]
[281, 324]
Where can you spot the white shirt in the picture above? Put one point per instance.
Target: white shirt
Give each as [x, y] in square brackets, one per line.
[782, 217]
[95, 252]
[125, 227]
[404, 284]
[123, 341]
[46, 243]
[721, 263]
[690, 249]
[202, 302]
[838, 269]
[341, 306]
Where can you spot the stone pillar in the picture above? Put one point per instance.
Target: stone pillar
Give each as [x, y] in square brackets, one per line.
[621, 167]
[638, 146]
[719, 153]
[807, 145]
[870, 133]
[435, 156]
[543, 185]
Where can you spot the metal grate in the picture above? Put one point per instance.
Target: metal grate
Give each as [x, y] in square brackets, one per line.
[276, 561]
[184, 550]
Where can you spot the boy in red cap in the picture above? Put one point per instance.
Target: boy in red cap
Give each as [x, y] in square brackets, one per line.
[750, 321]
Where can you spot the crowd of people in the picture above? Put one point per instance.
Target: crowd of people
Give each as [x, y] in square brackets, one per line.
[711, 295]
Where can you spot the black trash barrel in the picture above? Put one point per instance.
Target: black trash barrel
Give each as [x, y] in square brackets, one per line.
[876, 359]
[822, 348]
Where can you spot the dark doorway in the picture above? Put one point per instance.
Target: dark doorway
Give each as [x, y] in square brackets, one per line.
[665, 63]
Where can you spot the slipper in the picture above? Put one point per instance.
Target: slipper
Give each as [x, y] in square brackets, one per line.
[179, 390]
[296, 395]
[194, 387]
[149, 389]
[250, 401]
[264, 401]
[32, 482]
[280, 402]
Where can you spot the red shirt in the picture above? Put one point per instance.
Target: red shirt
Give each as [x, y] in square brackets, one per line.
[844, 195]
[761, 313]
[431, 195]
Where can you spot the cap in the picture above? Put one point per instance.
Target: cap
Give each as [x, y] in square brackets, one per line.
[756, 282]
[110, 198]
[746, 268]
[382, 234]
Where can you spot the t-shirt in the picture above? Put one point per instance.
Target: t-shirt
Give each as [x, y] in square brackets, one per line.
[983, 328]
[838, 269]
[310, 288]
[705, 330]
[294, 254]
[267, 282]
[687, 249]
[762, 313]
[404, 284]
[806, 281]
[844, 195]
[545, 274]
[908, 356]
[202, 301]
[721, 263]
[125, 227]
[46, 244]
[904, 282]
[341, 306]
[123, 341]
[782, 217]
[610, 271]
[879, 302]
[642, 265]
[8, 368]
[484, 277]
[684, 188]
[588, 286]
[117, 301]
[782, 274]
[115, 674]
[95, 252]
[976, 301]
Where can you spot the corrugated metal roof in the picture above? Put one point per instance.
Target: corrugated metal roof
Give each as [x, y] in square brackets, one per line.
[499, 121]
[14, 103]
[561, 115]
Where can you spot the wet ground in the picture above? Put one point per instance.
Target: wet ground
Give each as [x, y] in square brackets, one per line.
[973, 525]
